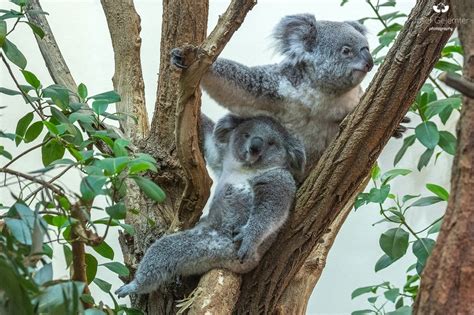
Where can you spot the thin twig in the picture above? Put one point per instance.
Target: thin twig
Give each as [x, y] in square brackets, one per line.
[33, 179]
[26, 152]
[51, 181]
[26, 96]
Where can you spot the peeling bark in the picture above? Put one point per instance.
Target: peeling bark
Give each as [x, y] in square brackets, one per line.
[447, 282]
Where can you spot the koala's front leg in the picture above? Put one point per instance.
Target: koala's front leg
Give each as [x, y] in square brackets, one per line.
[274, 193]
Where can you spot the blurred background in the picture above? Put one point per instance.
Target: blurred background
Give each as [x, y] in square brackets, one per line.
[81, 31]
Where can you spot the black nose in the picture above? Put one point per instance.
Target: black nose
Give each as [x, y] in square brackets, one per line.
[256, 145]
[369, 62]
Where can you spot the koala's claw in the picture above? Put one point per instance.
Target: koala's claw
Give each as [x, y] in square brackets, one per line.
[400, 130]
[177, 58]
[125, 290]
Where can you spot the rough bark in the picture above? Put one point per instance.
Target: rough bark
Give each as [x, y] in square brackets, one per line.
[124, 28]
[447, 283]
[349, 158]
[295, 298]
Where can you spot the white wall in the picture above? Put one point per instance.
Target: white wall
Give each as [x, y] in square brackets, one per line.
[81, 32]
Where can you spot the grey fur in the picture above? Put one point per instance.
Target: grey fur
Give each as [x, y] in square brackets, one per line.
[310, 92]
[255, 159]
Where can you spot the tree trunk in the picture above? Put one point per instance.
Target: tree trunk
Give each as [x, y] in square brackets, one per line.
[447, 283]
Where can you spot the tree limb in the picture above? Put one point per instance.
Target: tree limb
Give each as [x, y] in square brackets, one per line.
[198, 182]
[458, 83]
[124, 27]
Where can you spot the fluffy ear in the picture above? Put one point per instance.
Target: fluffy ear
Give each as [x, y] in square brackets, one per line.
[295, 35]
[225, 126]
[297, 156]
[358, 26]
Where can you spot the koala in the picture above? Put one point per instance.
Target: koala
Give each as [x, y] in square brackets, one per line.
[255, 159]
[310, 91]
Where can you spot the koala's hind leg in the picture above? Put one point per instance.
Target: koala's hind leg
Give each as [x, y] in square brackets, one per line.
[189, 252]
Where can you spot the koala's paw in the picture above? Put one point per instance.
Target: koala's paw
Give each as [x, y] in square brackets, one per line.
[177, 58]
[127, 289]
[400, 130]
[246, 249]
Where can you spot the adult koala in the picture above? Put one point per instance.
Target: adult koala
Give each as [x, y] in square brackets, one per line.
[310, 92]
[255, 160]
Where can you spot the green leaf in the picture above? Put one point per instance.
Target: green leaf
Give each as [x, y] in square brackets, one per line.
[447, 142]
[363, 312]
[409, 197]
[392, 294]
[383, 262]
[22, 126]
[3, 32]
[427, 133]
[14, 54]
[15, 297]
[445, 114]
[58, 94]
[19, 230]
[425, 158]
[117, 211]
[91, 267]
[9, 92]
[53, 150]
[33, 131]
[422, 249]
[36, 29]
[113, 165]
[375, 173]
[447, 66]
[426, 201]
[31, 79]
[407, 142]
[100, 107]
[150, 189]
[388, 176]
[82, 91]
[94, 311]
[5, 153]
[103, 285]
[67, 255]
[109, 97]
[379, 195]
[118, 268]
[363, 290]
[404, 310]
[436, 107]
[104, 250]
[120, 147]
[394, 242]
[45, 274]
[91, 186]
[438, 191]
[435, 228]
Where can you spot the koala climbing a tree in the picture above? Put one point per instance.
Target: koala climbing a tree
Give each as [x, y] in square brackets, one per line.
[255, 160]
[310, 91]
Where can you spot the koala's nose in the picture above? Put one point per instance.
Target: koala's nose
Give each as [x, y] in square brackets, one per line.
[256, 145]
[369, 62]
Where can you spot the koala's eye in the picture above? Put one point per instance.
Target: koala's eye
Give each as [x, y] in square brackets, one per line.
[246, 135]
[271, 142]
[346, 51]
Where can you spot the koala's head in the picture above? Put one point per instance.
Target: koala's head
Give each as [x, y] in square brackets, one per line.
[336, 53]
[261, 142]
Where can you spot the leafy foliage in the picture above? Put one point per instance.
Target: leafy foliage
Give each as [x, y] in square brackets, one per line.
[68, 128]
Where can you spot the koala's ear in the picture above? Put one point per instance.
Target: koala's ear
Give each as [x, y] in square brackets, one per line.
[297, 156]
[358, 26]
[295, 35]
[225, 126]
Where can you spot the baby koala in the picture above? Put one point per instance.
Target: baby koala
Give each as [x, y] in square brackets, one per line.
[255, 160]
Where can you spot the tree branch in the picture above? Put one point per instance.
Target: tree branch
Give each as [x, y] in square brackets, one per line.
[458, 83]
[124, 27]
[49, 48]
[198, 182]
